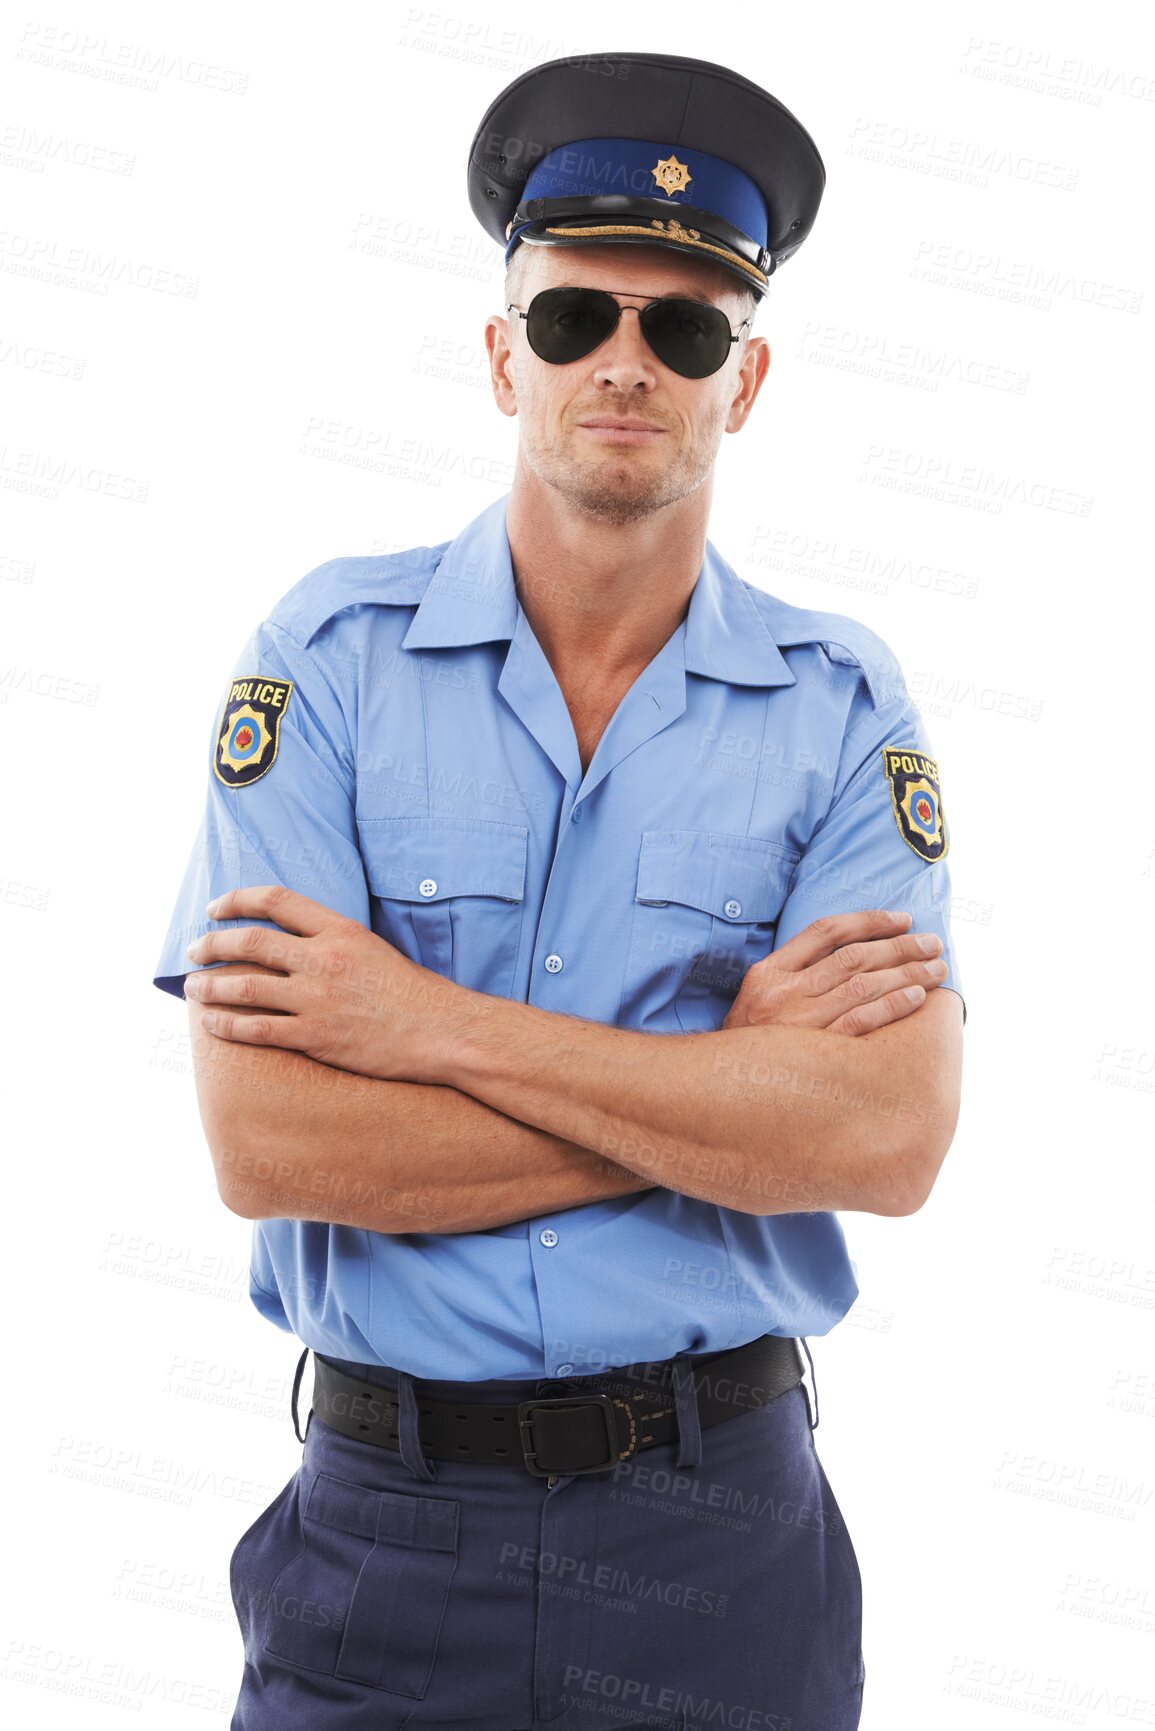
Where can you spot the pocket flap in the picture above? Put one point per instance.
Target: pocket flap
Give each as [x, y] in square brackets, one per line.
[428, 1523]
[450, 856]
[716, 872]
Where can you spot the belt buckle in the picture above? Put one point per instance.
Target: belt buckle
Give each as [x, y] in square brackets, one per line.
[525, 1423]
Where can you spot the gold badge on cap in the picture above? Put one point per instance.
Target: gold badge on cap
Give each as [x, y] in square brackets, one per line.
[916, 794]
[671, 175]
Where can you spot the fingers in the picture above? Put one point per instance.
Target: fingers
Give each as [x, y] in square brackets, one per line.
[263, 991]
[833, 931]
[273, 949]
[854, 981]
[863, 968]
[248, 1029]
[872, 998]
[927, 974]
[294, 912]
[879, 1012]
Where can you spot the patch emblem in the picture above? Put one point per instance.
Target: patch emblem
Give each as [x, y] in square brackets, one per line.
[249, 733]
[918, 810]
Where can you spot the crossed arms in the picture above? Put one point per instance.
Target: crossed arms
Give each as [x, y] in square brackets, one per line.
[338, 1081]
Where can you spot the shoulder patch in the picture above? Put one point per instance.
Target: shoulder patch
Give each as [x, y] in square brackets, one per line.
[250, 729]
[387, 579]
[916, 795]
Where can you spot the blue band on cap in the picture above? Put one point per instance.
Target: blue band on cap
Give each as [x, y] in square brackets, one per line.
[590, 166]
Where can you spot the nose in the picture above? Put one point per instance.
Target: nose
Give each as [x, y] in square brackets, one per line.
[626, 359]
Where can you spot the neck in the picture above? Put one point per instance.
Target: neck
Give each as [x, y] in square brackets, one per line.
[598, 594]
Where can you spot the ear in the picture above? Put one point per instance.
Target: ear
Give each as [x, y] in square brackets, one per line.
[752, 369]
[497, 347]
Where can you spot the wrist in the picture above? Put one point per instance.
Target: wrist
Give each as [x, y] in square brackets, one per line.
[439, 1015]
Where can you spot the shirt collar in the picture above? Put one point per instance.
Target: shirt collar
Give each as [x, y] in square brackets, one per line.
[471, 599]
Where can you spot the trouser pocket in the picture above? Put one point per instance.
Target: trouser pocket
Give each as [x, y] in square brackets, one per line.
[363, 1594]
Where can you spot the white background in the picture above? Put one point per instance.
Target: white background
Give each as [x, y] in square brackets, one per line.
[952, 445]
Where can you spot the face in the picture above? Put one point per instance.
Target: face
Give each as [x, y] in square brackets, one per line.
[617, 475]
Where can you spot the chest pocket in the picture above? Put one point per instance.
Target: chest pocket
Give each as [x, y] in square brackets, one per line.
[705, 910]
[448, 892]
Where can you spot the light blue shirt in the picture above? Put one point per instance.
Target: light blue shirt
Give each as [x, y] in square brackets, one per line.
[426, 782]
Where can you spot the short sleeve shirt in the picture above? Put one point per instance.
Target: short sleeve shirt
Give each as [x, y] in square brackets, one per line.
[393, 743]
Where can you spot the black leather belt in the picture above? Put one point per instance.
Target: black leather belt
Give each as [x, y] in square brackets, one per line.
[599, 1421]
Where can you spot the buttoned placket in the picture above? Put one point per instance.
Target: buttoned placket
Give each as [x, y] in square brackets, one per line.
[655, 700]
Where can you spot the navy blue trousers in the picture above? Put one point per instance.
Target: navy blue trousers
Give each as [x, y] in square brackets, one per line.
[708, 1582]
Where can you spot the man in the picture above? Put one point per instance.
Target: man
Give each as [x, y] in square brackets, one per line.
[577, 917]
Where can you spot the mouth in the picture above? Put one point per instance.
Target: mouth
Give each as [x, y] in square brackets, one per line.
[623, 432]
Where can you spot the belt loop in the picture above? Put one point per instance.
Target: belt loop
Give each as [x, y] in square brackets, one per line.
[686, 1404]
[296, 1389]
[407, 1436]
[814, 1420]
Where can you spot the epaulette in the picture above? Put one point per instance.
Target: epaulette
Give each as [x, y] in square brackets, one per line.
[380, 579]
[845, 640]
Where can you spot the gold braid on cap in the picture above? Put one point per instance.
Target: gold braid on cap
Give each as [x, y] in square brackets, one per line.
[672, 230]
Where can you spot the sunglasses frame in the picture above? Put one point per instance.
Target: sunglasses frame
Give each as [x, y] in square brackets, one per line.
[655, 301]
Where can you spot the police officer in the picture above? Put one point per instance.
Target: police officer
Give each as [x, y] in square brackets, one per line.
[481, 817]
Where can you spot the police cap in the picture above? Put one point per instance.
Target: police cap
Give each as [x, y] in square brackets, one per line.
[653, 149]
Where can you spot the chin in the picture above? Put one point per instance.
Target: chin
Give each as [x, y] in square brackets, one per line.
[618, 508]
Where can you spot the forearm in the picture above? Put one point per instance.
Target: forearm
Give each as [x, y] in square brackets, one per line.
[764, 1119]
[294, 1139]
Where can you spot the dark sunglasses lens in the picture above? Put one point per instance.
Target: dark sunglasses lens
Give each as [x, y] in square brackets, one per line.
[566, 323]
[691, 338]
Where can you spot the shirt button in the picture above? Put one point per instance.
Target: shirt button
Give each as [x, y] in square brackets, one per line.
[548, 1237]
[428, 886]
[563, 1369]
[733, 909]
[554, 964]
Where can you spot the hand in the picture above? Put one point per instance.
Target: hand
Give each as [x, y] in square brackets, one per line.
[341, 994]
[839, 975]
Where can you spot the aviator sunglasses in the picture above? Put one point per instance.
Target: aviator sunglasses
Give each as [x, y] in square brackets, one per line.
[690, 337]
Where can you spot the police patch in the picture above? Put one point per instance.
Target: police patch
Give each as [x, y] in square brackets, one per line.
[914, 791]
[250, 729]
